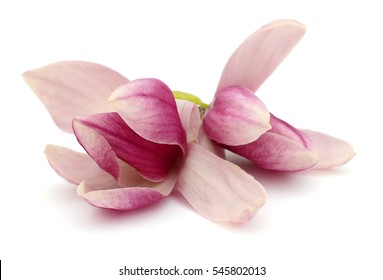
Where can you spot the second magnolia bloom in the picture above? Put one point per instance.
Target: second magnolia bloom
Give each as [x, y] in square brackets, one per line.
[240, 122]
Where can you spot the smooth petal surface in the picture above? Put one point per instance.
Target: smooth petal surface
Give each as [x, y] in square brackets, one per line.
[208, 144]
[332, 151]
[218, 189]
[236, 117]
[190, 119]
[260, 54]
[149, 108]
[76, 167]
[73, 88]
[107, 137]
[283, 148]
[129, 198]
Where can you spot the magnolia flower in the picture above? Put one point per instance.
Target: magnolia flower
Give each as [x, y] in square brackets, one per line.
[141, 144]
[240, 122]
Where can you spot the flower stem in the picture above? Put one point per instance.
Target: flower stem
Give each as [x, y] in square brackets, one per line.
[190, 97]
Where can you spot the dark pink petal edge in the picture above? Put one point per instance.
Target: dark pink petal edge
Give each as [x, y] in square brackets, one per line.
[106, 138]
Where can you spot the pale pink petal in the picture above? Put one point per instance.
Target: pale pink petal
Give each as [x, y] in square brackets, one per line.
[218, 189]
[260, 54]
[107, 137]
[332, 151]
[190, 119]
[208, 144]
[72, 88]
[129, 198]
[236, 117]
[282, 148]
[76, 167]
[149, 108]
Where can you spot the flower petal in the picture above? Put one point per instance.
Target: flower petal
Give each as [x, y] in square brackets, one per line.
[332, 151]
[208, 144]
[149, 108]
[218, 189]
[107, 137]
[236, 117]
[282, 148]
[73, 88]
[76, 167]
[190, 119]
[133, 197]
[260, 54]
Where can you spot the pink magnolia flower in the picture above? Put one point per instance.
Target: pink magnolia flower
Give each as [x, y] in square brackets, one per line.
[240, 122]
[141, 144]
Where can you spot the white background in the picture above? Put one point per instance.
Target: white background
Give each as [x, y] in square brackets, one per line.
[315, 225]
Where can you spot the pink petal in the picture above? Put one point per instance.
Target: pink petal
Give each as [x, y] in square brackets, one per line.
[149, 108]
[128, 198]
[260, 54]
[208, 144]
[236, 117]
[332, 151]
[218, 189]
[106, 137]
[76, 167]
[190, 119]
[73, 88]
[282, 148]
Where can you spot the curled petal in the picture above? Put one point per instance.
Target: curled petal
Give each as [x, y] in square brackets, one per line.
[73, 88]
[107, 138]
[332, 151]
[190, 119]
[282, 148]
[76, 167]
[236, 117]
[129, 198]
[149, 108]
[260, 54]
[218, 189]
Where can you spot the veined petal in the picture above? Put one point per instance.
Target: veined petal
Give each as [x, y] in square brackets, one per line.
[282, 148]
[106, 138]
[332, 151]
[218, 189]
[190, 119]
[149, 108]
[129, 198]
[73, 88]
[236, 117]
[260, 54]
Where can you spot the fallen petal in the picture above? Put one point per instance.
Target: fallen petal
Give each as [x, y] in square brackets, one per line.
[260, 54]
[218, 189]
[332, 151]
[106, 138]
[149, 108]
[282, 148]
[236, 117]
[133, 197]
[73, 88]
